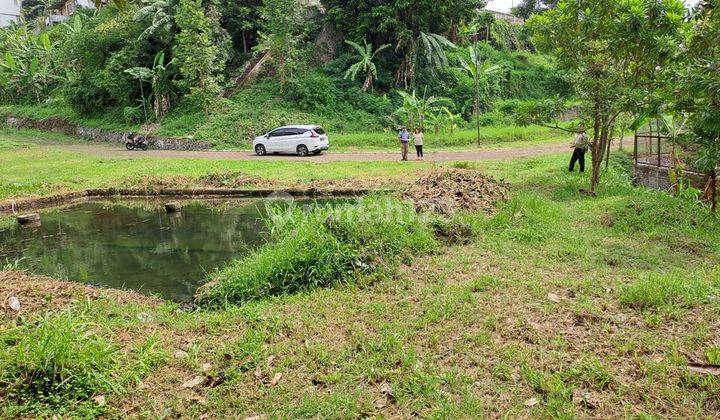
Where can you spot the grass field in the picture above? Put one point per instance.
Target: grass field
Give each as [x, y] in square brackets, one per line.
[228, 130]
[562, 306]
[27, 169]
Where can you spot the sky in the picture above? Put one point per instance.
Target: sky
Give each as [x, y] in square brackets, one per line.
[505, 5]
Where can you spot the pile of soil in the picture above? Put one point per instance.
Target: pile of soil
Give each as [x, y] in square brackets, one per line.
[450, 190]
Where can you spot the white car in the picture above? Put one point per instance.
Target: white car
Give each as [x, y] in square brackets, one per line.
[293, 139]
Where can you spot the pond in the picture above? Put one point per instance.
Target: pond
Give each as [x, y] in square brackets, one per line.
[137, 245]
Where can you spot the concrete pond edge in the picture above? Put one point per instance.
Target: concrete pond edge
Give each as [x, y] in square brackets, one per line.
[15, 207]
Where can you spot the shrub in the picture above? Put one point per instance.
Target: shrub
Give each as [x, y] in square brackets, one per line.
[132, 114]
[493, 118]
[312, 92]
[657, 291]
[327, 246]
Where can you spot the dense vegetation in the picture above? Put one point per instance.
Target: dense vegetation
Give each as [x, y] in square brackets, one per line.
[170, 62]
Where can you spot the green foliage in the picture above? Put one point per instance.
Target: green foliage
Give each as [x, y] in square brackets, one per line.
[279, 37]
[667, 290]
[198, 58]
[61, 359]
[132, 114]
[365, 64]
[327, 246]
[27, 70]
[615, 51]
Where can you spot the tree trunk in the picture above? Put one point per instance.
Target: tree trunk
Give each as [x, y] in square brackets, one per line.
[713, 191]
[607, 150]
[597, 149]
[368, 82]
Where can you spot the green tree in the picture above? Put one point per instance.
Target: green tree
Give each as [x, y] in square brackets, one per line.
[615, 51]
[480, 73]
[159, 13]
[27, 67]
[196, 56]
[365, 64]
[698, 90]
[157, 76]
[281, 31]
[415, 109]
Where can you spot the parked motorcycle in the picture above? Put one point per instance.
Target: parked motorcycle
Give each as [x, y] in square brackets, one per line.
[135, 142]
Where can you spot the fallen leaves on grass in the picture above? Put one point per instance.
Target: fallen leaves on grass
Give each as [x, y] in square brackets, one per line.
[450, 190]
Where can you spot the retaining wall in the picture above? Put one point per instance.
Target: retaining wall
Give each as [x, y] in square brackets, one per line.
[658, 178]
[61, 125]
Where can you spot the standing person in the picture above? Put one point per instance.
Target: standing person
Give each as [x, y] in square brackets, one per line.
[418, 138]
[580, 146]
[404, 138]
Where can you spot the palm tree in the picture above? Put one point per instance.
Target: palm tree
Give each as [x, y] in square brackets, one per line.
[365, 64]
[479, 73]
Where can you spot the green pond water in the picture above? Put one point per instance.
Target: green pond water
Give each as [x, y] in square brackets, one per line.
[137, 245]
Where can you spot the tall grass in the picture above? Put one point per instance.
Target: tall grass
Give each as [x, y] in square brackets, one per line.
[324, 247]
[61, 360]
[495, 136]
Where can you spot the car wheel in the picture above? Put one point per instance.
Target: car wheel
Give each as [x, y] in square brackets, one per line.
[302, 150]
[260, 150]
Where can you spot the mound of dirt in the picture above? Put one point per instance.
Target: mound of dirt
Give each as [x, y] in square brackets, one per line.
[450, 190]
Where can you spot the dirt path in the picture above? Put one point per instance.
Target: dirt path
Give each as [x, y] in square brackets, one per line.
[107, 151]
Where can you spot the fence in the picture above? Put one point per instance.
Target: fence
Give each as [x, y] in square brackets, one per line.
[658, 150]
[655, 155]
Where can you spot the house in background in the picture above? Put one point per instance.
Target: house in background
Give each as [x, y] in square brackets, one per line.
[63, 9]
[9, 12]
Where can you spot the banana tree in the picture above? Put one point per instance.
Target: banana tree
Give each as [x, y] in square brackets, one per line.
[156, 76]
[424, 50]
[415, 109]
[450, 119]
[365, 63]
[27, 64]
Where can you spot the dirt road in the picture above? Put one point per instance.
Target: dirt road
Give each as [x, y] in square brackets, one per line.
[111, 151]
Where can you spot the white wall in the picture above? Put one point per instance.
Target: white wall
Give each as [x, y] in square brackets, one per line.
[9, 11]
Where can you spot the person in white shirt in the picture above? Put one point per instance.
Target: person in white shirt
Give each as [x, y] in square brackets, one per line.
[579, 146]
[418, 138]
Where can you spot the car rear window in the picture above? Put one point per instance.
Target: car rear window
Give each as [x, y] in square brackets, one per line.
[319, 130]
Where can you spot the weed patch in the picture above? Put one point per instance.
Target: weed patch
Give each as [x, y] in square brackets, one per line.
[323, 247]
[62, 360]
[667, 290]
